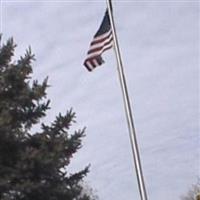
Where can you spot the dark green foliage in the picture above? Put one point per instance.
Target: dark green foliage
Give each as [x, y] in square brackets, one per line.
[194, 192]
[33, 166]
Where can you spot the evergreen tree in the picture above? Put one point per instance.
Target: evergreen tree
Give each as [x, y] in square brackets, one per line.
[33, 166]
[194, 192]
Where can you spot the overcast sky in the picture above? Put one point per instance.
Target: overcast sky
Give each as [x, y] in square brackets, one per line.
[160, 49]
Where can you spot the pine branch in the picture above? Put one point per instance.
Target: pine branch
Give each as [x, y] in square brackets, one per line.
[6, 53]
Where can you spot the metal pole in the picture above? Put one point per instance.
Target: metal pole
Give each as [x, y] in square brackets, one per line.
[129, 117]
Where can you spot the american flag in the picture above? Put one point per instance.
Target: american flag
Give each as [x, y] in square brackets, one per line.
[102, 41]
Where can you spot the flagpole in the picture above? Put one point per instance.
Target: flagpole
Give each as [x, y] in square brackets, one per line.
[129, 117]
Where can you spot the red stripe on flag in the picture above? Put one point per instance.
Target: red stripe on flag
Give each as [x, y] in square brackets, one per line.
[100, 40]
[101, 47]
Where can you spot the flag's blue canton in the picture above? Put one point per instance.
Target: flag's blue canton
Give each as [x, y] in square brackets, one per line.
[101, 42]
[105, 25]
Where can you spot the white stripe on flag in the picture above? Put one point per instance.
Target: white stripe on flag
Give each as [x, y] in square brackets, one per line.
[95, 62]
[101, 51]
[89, 65]
[101, 36]
[97, 45]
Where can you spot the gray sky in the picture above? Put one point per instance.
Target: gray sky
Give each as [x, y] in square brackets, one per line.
[159, 43]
